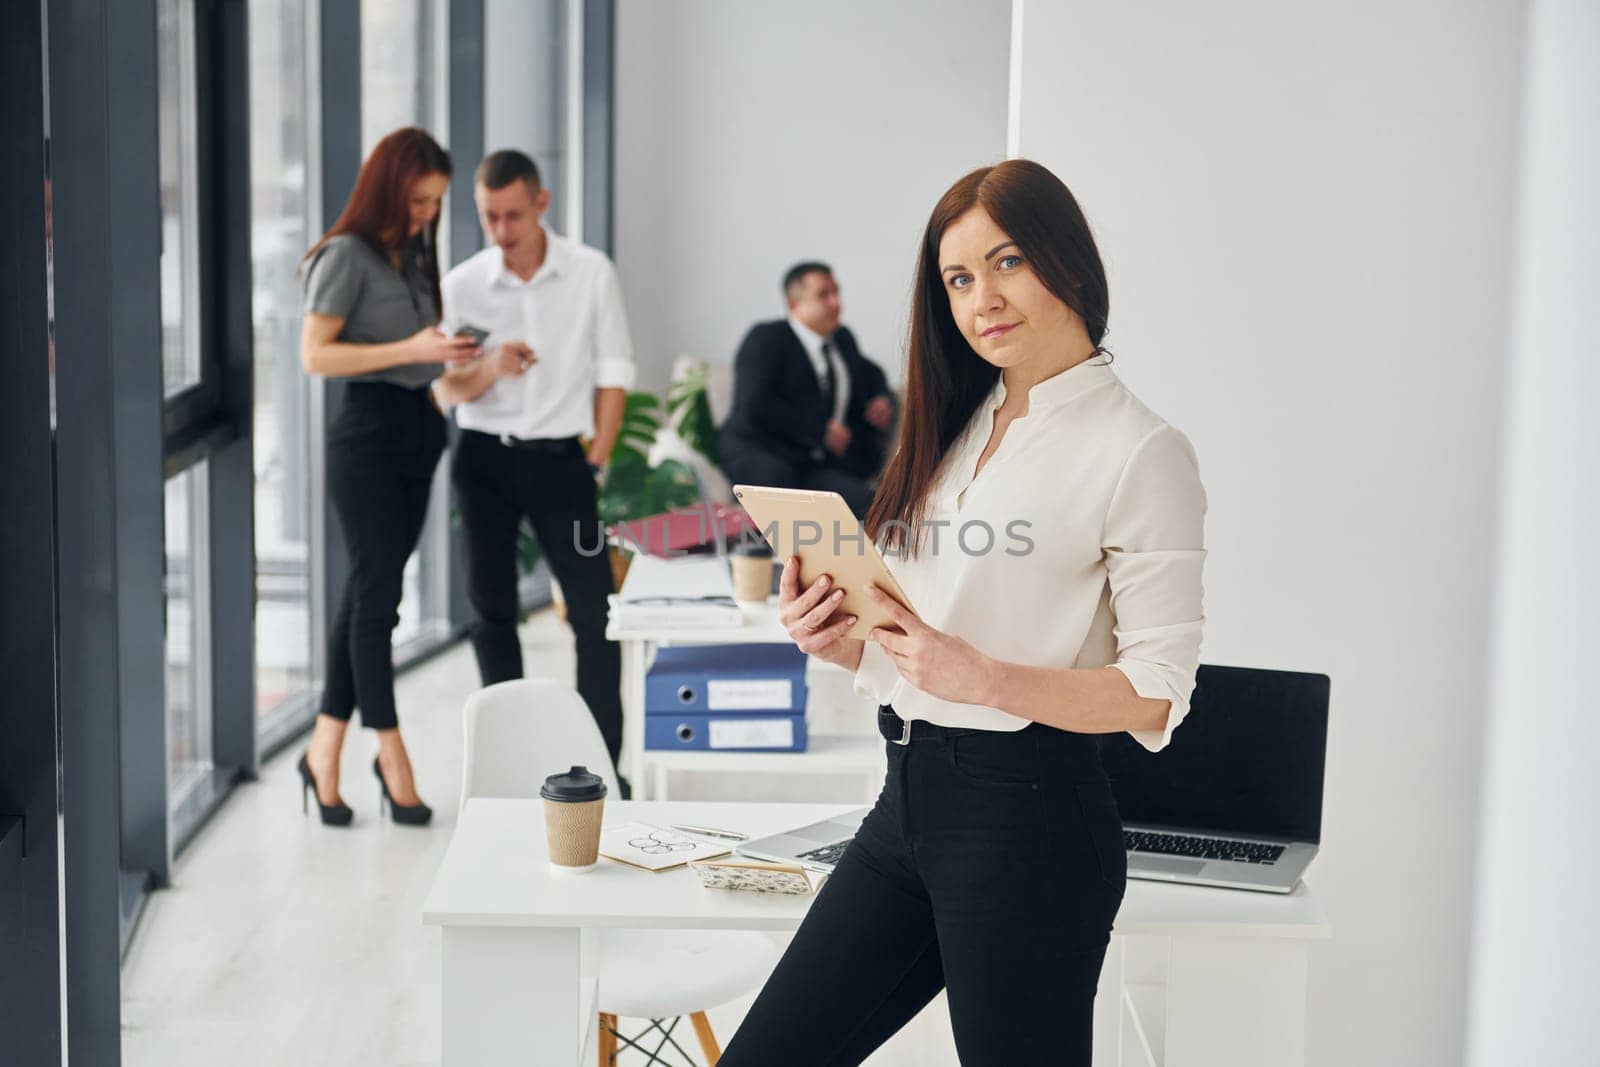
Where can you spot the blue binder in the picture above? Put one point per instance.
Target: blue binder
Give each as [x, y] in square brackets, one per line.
[726, 680]
[740, 732]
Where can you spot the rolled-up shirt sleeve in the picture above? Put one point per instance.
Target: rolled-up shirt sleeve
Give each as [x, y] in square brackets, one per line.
[876, 676]
[1154, 550]
[614, 366]
[450, 297]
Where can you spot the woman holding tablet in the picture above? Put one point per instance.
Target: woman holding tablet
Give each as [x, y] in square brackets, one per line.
[1049, 528]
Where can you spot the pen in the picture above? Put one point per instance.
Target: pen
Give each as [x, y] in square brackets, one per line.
[706, 831]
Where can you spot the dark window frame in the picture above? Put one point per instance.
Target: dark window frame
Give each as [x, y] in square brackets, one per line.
[198, 420]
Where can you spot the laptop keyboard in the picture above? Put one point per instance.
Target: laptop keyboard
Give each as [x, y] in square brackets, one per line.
[827, 853]
[1207, 848]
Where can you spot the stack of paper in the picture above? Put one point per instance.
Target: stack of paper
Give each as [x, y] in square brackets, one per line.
[690, 591]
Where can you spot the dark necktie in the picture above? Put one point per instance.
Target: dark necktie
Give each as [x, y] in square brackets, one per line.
[830, 384]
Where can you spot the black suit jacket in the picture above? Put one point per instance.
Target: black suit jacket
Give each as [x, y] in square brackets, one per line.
[779, 406]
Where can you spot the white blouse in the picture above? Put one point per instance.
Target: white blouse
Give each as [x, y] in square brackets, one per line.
[1079, 545]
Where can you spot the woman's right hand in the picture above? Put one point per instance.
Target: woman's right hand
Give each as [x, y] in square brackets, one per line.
[809, 617]
[428, 345]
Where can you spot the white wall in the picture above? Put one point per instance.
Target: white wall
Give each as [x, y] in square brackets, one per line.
[1537, 931]
[1306, 212]
[753, 135]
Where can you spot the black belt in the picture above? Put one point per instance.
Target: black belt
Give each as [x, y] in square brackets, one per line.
[544, 446]
[904, 731]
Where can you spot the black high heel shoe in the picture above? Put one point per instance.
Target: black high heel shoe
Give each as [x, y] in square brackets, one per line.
[332, 814]
[403, 814]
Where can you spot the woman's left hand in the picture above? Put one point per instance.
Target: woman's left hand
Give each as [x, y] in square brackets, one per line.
[940, 664]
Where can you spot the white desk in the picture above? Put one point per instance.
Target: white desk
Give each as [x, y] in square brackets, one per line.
[1195, 977]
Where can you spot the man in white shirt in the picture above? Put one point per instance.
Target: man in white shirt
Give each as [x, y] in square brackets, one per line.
[809, 410]
[557, 365]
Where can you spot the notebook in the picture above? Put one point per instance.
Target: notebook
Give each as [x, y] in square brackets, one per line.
[654, 848]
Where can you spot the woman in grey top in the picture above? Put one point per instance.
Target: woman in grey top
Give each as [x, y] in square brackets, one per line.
[371, 288]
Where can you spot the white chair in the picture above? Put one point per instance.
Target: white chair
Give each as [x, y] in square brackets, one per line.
[519, 732]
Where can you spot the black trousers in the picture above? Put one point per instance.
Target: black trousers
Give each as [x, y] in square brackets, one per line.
[992, 867]
[496, 485]
[383, 447]
[748, 464]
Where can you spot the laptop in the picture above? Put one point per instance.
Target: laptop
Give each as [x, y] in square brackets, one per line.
[816, 847]
[1236, 799]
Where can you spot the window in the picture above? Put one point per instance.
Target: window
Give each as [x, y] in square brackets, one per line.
[180, 211]
[401, 81]
[186, 532]
[400, 70]
[187, 626]
[280, 232]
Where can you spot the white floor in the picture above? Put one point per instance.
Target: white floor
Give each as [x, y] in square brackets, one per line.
[284, 942]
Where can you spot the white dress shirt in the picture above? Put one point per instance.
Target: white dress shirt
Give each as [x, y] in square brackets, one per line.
[570, 313]
[812, 341]
[1115, 513]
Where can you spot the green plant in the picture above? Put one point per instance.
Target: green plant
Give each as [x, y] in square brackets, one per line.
[632, 488]
[689, 409]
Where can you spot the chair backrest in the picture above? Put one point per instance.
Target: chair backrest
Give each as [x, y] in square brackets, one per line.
[520, 732]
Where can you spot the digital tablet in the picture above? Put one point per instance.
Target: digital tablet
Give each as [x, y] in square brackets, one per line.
[819, 529]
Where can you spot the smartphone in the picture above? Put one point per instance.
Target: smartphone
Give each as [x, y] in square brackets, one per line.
[478, 335]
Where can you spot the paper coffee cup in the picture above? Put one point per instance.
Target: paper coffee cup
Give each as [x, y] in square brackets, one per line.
[752, 578]
[573, 805]
[751, 564]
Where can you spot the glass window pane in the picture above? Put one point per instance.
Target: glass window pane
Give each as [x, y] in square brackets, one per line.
[397, 68]
[187, 630]
[399, 83]
[280, 232]
[180, 214]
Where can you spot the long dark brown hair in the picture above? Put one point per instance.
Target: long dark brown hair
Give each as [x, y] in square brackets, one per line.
[379, 208]
[945, 379]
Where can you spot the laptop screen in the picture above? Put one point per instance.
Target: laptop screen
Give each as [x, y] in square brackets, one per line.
[1247, 759]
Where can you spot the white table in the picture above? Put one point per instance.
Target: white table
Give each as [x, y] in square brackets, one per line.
[1195, 976]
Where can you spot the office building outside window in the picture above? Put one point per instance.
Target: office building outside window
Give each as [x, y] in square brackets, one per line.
[281, 229]
[186, 585]
[180, 211]
[187, 626]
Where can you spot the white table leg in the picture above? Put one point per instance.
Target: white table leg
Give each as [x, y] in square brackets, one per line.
[517, 994]
[634, 655]
[1108, 1008]
[1236, 1003]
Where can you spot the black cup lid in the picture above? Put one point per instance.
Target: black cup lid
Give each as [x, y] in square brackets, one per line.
[575, 785]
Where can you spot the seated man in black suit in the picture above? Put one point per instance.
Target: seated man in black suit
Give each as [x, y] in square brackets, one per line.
[809, 410]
